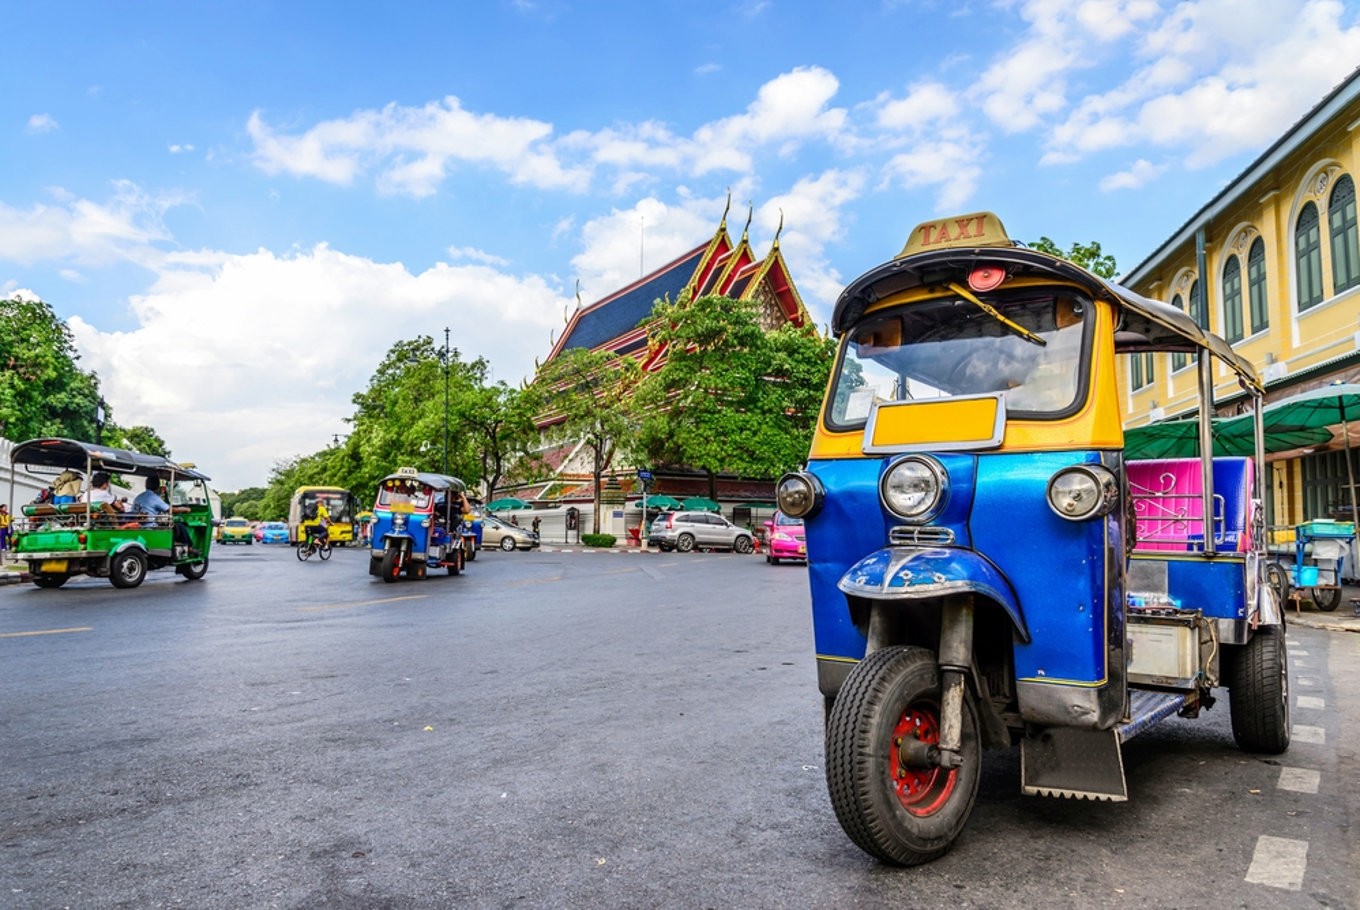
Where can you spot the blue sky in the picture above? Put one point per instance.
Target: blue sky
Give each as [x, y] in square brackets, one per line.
[239, 206]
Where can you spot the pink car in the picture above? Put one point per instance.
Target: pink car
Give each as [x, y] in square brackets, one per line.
[784, 539]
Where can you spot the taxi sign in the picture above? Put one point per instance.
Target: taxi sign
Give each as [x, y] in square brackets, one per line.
[977, 229]
[407, 472]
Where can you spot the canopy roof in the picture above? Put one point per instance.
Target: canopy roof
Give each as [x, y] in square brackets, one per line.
[74, 455]
[436, 481]
[1145, 325]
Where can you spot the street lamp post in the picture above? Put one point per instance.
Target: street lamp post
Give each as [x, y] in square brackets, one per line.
[445, 358]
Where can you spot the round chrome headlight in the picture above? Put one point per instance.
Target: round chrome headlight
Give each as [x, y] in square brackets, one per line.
[1083, 491]
[914, 488]
[798, 494]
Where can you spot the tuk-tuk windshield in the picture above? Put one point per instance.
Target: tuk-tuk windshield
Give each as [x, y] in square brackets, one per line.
[949, 348]
[404, 493]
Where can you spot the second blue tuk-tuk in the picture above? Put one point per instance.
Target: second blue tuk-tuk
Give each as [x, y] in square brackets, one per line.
[416, 525]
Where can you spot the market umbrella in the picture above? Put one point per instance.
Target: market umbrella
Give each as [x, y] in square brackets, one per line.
[701, 504]
[501, 505]
[660, 502]
[1232, 436]
[1338, 403]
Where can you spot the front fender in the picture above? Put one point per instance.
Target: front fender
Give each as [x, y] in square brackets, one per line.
[914, 573]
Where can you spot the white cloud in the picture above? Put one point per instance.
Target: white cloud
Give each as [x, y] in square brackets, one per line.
[475, 255]
[239, 360]
[925, 105]
[42, 123]
[178, 148]
[1139, 174]
[626, 244]
[952, 163]
[813, 213]
[127, 227]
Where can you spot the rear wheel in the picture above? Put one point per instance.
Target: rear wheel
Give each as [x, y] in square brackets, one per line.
[892, 801]
[742, 545]
[1278, 579]
[1327, 599]
[455, 558]
[391, 565]
[50, 581]
[127, 569]
[1258, 693]
[416, 569]
[194, 570]
[684, 543]
[508, 543]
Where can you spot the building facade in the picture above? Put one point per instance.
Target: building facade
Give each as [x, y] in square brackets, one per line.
[1272, 264]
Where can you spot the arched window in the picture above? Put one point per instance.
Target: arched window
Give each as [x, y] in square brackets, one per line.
[1256, 287]
[1198, 311]
[1232, 299]
[1345, 238]
[1308, 257]
[1178, 360]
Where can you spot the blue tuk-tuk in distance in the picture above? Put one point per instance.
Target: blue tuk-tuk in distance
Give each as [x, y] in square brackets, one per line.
[989, 565]
[416, 525]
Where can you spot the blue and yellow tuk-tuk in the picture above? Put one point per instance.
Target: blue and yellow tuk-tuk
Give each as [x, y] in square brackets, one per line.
[986, 565]
[416, 525]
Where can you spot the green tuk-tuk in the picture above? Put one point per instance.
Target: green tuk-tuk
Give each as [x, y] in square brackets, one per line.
[57, 539]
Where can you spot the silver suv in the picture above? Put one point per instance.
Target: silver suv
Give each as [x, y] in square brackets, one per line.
[684, 531]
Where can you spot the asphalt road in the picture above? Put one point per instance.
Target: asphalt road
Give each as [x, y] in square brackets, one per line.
[569, 729]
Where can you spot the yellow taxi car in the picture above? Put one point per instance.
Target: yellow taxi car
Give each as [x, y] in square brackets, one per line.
[236, 530]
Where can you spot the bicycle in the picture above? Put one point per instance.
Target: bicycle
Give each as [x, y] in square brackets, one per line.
[321, 546]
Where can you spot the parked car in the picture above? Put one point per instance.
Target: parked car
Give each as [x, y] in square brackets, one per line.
[497, 533]
[785, 539]
[274, 532]
[236, 530]
[685, 531]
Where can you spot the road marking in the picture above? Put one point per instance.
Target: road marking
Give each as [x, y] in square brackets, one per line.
[362, 603]
[46, 632]
[1309, 701]
[1299, 652]
[1278, 862]
[1306, 734]
[1300, 780]
[1306, 681]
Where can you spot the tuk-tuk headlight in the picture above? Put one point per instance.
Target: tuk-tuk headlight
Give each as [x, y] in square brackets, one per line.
[398, 523]
[914, 488]
[799, 495]
[1083, 491]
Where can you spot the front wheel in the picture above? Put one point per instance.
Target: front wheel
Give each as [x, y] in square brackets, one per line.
[324, 551]
[508, 544]
[742, 545]
[127, 569]
[304, 550]
[1277, 577]
[1258, 693]
[391, 565]
[891, 799]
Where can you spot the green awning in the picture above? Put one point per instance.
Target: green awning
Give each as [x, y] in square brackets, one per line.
[501, 505]
[660, 502]
[700, 504]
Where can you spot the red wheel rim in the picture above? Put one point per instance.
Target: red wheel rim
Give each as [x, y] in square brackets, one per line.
[921, 791]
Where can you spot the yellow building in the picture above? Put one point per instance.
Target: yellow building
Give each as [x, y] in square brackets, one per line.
[1272, 264]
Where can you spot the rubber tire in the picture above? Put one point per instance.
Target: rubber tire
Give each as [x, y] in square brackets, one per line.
[391, 570]
[770, 560]
[508, 544]
[1327, 599]
[50, 581]
[859, 735]
[127, 569]
[470, 551]
[1258, 693]
[324, 551]
[742, 545]
[193, 571]
[1277, 577]
[684, 543]
[303, 551]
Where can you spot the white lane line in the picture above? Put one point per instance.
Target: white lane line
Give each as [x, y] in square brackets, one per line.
[1306, 734]
[1309, 701]
[1305, 681]
[1299, 652]
[1278, 862]
[1300, 780]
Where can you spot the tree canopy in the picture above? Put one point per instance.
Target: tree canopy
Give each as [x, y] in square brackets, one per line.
[1087, 255]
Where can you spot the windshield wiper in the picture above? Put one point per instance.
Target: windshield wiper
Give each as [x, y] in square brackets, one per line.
[995, 314]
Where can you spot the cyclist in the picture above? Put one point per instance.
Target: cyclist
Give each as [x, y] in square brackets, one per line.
[320, 532]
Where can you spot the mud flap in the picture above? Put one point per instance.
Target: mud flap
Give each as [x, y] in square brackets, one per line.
[1073, 762]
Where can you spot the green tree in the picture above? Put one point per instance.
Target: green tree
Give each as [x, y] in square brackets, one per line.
[42, 390]
[499, 427]
[139, 438]
[731, 396]
[1087, 255]
[586, 395]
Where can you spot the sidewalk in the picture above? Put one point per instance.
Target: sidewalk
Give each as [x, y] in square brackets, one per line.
[1342, 619]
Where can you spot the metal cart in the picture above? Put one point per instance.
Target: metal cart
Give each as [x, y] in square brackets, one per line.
[1320, 551]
